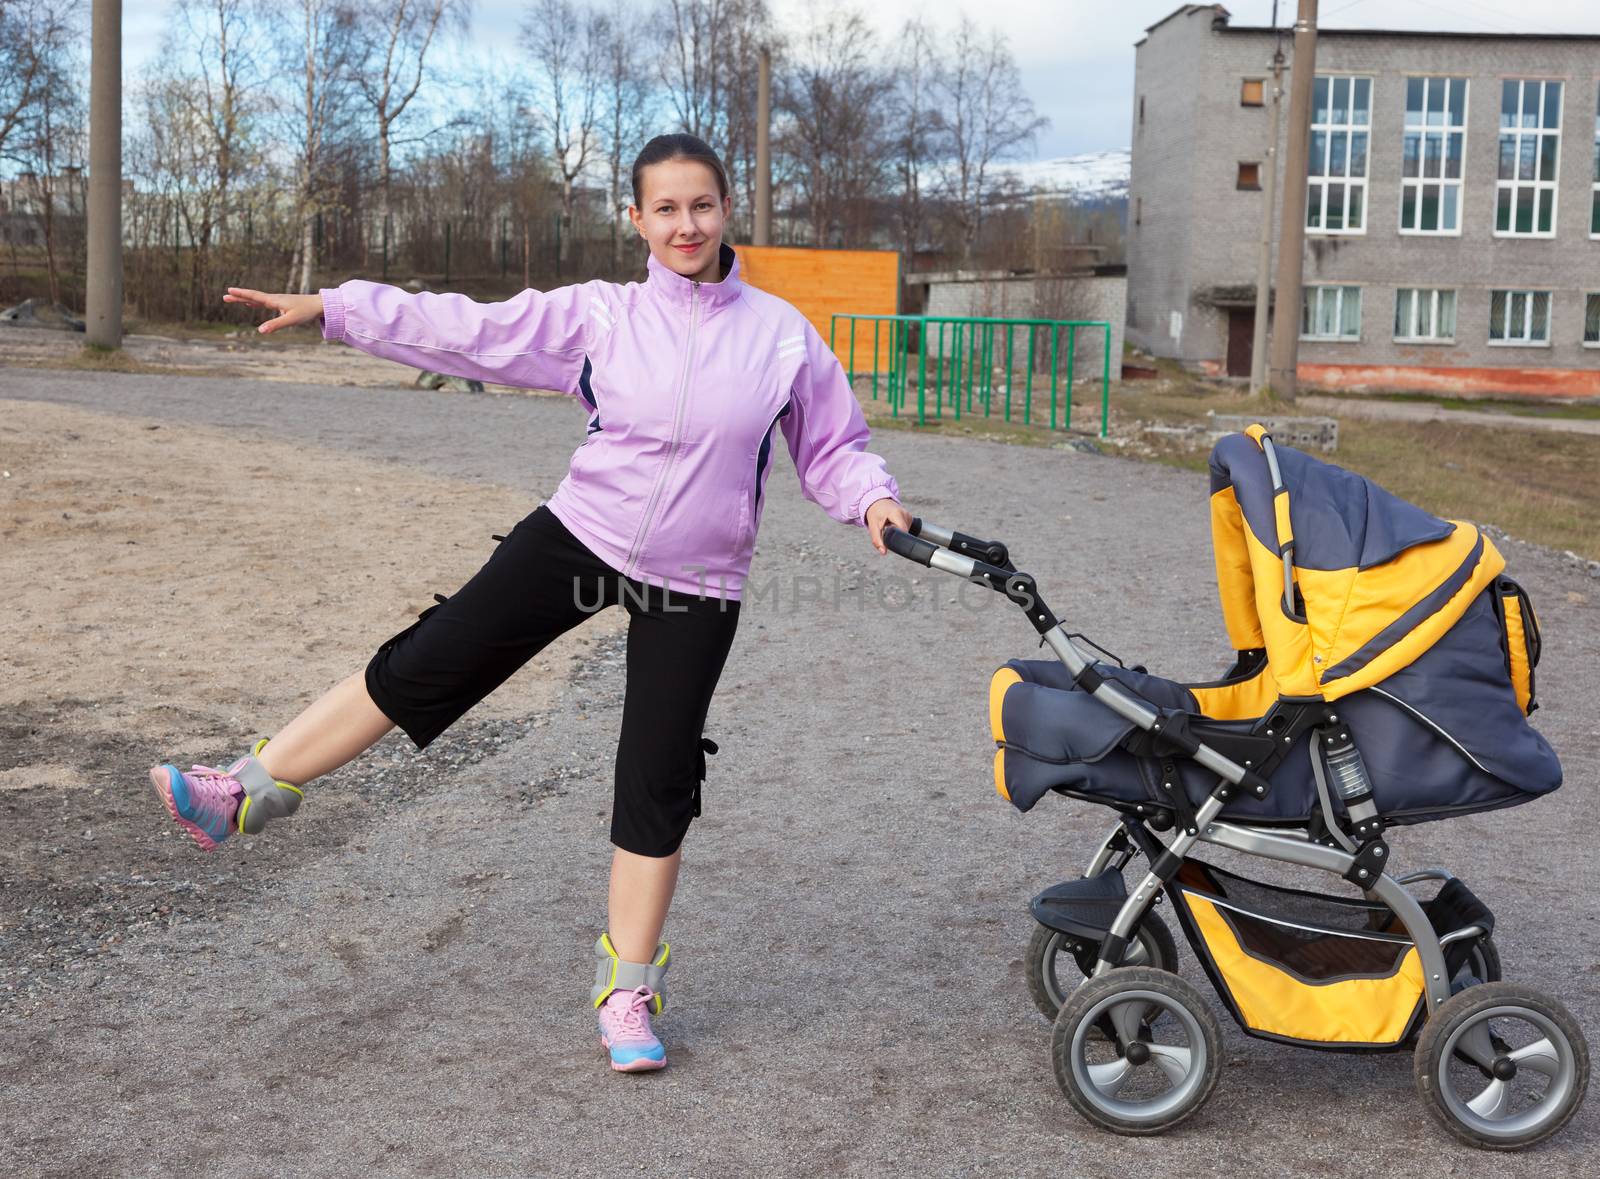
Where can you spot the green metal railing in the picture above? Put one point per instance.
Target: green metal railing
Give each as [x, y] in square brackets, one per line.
[965, 364]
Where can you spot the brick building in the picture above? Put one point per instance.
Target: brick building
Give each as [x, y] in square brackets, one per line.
[1453, 212]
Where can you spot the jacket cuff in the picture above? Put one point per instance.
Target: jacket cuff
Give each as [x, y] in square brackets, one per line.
[332, 314]
[872, 495]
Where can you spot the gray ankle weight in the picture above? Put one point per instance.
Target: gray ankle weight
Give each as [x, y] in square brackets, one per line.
[613, 974]
[265, 797]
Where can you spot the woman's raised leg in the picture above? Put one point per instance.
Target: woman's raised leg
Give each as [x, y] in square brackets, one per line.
[339, 725]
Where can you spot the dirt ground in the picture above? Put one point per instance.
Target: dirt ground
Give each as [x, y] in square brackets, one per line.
[159, 608]
[297, 355]
[395, 983]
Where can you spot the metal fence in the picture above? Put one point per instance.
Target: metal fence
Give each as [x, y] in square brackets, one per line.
[957, 358]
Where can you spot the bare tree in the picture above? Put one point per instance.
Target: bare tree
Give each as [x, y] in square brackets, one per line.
[832, 97]
[707, 78]
[987, 117]
[626, 110]
[202, 97]
[388, 67]
[52, 145]
[690, 79]
[568, 50]
[747, 27]
[319, 49]
[33, 34]
[916, 131]
[42, 111]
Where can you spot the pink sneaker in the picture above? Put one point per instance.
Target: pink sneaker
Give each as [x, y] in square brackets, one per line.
[625, 1032]
[203, 801]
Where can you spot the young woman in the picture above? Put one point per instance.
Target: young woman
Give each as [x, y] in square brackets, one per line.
[685, 378]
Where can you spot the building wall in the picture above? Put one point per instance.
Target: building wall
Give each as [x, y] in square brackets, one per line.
[1222, 251]
[1086, 297]
[1167, 73]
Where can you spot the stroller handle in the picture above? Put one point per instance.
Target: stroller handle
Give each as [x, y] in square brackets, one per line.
[926, 538]
[1019, 587]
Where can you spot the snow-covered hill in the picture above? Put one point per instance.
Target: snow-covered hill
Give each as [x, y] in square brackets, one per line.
[1090, 178]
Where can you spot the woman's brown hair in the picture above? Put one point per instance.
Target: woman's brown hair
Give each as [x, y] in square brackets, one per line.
[676, 147]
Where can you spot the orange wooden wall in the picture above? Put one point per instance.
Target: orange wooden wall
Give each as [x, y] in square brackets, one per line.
[821, 283]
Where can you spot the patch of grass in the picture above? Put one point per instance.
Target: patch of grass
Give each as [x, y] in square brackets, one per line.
[1540, 486]
[993, 428]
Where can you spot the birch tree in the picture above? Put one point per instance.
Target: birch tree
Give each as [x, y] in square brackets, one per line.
[317, 51]
[987, 117]
[567, 46]
[388, 67]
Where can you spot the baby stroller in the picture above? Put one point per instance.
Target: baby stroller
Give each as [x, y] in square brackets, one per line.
[1384, 675]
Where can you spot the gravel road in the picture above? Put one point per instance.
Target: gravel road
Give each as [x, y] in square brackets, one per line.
[847, 995]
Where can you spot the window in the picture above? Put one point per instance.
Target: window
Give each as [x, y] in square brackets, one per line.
[1141, 110]
[1336, 196]
[1331, 313]
[1249, 176]
[1253, 92]
[1594, 207]
[1421, 313]
[1519, 317]
[1434, 146]
[1530, 146]
[1591, 321]
[1138, 210]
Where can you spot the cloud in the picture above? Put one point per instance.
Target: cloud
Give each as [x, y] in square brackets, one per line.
[1076, 56]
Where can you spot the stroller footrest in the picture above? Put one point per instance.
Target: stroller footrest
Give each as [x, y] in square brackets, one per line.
[1084, 907]
[1456, 907]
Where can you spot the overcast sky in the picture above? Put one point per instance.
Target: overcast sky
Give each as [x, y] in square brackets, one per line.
[1076, 55]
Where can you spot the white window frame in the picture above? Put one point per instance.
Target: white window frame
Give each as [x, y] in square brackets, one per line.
[1589, 296]
[1523, 341]
[1443, 130]
[1594, 199]
[1317, 184]
[1436, 297]
[1518, 134]
[1314, 293]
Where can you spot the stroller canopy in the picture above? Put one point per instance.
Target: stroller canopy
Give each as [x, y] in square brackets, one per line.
[1337, 590]
[1377, 581]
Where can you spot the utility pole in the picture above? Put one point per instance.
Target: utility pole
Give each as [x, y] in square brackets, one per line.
[763, 234]
[103, 295]
[1258, 346]
[1292, 236]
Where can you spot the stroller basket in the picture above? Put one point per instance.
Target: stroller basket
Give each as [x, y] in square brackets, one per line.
[1311, 969]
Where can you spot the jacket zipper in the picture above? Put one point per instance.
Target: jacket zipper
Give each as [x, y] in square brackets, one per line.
[629, 567]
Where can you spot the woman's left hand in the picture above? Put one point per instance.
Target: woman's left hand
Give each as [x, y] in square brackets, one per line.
[881, 512]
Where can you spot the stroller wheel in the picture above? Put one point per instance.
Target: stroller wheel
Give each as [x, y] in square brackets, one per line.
[1501, 1066]
[1054, 967]
[1161, 1067]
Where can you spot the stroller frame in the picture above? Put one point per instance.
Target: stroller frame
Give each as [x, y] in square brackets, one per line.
[1360, 857]
[1362, 864]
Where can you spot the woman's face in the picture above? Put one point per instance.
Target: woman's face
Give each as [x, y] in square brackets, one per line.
[682, 217]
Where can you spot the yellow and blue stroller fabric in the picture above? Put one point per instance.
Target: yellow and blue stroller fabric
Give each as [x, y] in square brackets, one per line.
[1405, 619]
[1378, 581]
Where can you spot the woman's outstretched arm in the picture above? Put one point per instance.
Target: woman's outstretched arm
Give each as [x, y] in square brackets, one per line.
[533, 340]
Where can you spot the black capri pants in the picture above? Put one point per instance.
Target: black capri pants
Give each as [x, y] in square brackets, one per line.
[539, 583]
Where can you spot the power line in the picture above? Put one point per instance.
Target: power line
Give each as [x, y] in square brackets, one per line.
[1485, 8]
[1463, 16]
[1341, 8]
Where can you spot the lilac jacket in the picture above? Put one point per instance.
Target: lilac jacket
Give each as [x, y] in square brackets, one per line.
[684, 382]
